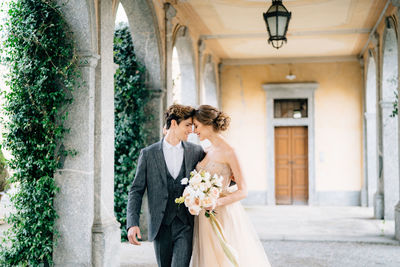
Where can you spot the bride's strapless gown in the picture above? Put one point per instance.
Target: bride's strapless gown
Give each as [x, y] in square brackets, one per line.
[238, 229]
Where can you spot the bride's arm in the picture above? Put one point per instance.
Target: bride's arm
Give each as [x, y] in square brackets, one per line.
[241, 193]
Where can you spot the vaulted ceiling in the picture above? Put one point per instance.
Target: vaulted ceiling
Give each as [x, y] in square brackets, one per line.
[235, 29]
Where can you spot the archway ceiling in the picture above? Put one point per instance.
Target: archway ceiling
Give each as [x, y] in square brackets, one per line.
[235, 29]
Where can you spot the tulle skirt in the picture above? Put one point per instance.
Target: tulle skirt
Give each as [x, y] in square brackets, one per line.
[239, 233]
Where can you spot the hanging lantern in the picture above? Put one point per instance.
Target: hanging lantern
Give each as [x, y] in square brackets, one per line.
[277, 19]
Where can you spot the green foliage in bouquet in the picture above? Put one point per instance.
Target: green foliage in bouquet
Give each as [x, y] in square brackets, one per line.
[39, 51]
[3, 173]
[131, 96]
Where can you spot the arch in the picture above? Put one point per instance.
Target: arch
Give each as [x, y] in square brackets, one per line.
[186, 58]
[146, 39]
[210, 93]
[388, 125]
[371, 149]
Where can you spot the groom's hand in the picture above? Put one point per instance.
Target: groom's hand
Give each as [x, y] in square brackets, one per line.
[132, 233]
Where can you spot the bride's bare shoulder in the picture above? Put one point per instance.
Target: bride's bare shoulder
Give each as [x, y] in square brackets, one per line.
[228, 149]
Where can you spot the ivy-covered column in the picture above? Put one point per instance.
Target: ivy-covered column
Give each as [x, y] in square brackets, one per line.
[89, 234]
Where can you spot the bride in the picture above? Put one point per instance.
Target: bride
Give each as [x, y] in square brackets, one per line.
[239, 232]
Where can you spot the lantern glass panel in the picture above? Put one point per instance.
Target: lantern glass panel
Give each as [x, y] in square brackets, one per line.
[281, 25]
[272, 25]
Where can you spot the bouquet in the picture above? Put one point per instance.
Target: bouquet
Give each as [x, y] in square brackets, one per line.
[202, 192]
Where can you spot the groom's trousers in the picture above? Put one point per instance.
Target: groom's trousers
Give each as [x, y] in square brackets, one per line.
[173, 244]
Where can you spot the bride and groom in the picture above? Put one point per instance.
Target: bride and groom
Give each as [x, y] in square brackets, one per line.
[180, 239]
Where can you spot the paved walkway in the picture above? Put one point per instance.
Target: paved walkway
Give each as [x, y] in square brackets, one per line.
[296, 236]
[309, 236]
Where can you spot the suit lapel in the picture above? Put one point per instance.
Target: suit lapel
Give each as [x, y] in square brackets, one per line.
[188, 159]
[160, 162]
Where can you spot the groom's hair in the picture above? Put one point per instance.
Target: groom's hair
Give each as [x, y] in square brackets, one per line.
[178, 113]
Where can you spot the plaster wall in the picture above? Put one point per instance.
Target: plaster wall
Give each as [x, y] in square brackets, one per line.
[338, 120]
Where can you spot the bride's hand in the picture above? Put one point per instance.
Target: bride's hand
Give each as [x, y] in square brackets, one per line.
[218, 203]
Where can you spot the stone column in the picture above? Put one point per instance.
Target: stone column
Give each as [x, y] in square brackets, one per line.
[378, 196]
[201, 46]
[370, 132]
[390, 158]
[370, 157]
[170, 13]
[397, 208]
[105, 231]
[75, 201]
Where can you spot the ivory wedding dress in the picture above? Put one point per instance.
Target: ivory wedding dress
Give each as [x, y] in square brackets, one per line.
[238, 229]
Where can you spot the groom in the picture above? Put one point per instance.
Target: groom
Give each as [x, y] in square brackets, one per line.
[161, 166]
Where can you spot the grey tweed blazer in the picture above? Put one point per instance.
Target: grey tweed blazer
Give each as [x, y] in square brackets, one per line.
[151, 174]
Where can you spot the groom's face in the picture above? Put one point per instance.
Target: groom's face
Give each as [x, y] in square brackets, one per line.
[184, 128]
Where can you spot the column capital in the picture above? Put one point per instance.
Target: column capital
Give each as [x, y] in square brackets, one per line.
[361, 61]
[157, 93]
[387, 103]
[201, 46]
[370, 116]
[170, 11]
[375, 39]
[88, 59]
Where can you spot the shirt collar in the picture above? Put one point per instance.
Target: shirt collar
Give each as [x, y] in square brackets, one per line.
[169, 146]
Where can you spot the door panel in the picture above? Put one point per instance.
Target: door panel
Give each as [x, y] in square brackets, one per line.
[291, 165]
[282, 157]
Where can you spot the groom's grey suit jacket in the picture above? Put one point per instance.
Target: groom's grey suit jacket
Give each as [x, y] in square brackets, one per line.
[151, 174]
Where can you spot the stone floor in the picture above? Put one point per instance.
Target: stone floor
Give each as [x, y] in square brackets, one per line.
[295, 236]
[309, 236]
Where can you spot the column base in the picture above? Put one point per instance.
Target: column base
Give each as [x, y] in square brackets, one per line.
[397, 221]
[378, 206]
[106, 244]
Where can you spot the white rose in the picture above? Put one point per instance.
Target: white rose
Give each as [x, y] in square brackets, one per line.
[202, 187]
[187, 191]
[218, 183]
[208, 184]
[184, 181]
[194, 210]
[214, 192]
[189, 201]
[209, 202]
[199, 194]
[195, 180]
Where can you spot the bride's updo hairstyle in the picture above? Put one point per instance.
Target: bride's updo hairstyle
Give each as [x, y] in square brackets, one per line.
[208, 115]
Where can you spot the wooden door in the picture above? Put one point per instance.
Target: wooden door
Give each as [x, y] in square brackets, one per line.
[291, 165]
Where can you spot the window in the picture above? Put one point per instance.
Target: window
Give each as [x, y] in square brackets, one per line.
[290, 108]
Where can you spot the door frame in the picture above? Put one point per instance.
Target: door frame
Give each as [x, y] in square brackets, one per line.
[290, 91]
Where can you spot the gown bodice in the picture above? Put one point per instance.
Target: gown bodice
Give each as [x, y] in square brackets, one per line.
[220, 168]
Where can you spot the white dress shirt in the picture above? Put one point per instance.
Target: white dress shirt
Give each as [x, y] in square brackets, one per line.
[173, 156]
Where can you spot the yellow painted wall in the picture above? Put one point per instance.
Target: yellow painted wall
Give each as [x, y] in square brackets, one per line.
[338, 119]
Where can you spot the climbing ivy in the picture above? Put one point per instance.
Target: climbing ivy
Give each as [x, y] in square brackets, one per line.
[131, 96]
[39, 51]
[4, 175]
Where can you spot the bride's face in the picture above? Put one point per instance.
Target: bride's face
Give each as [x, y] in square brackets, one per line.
[202, 131]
